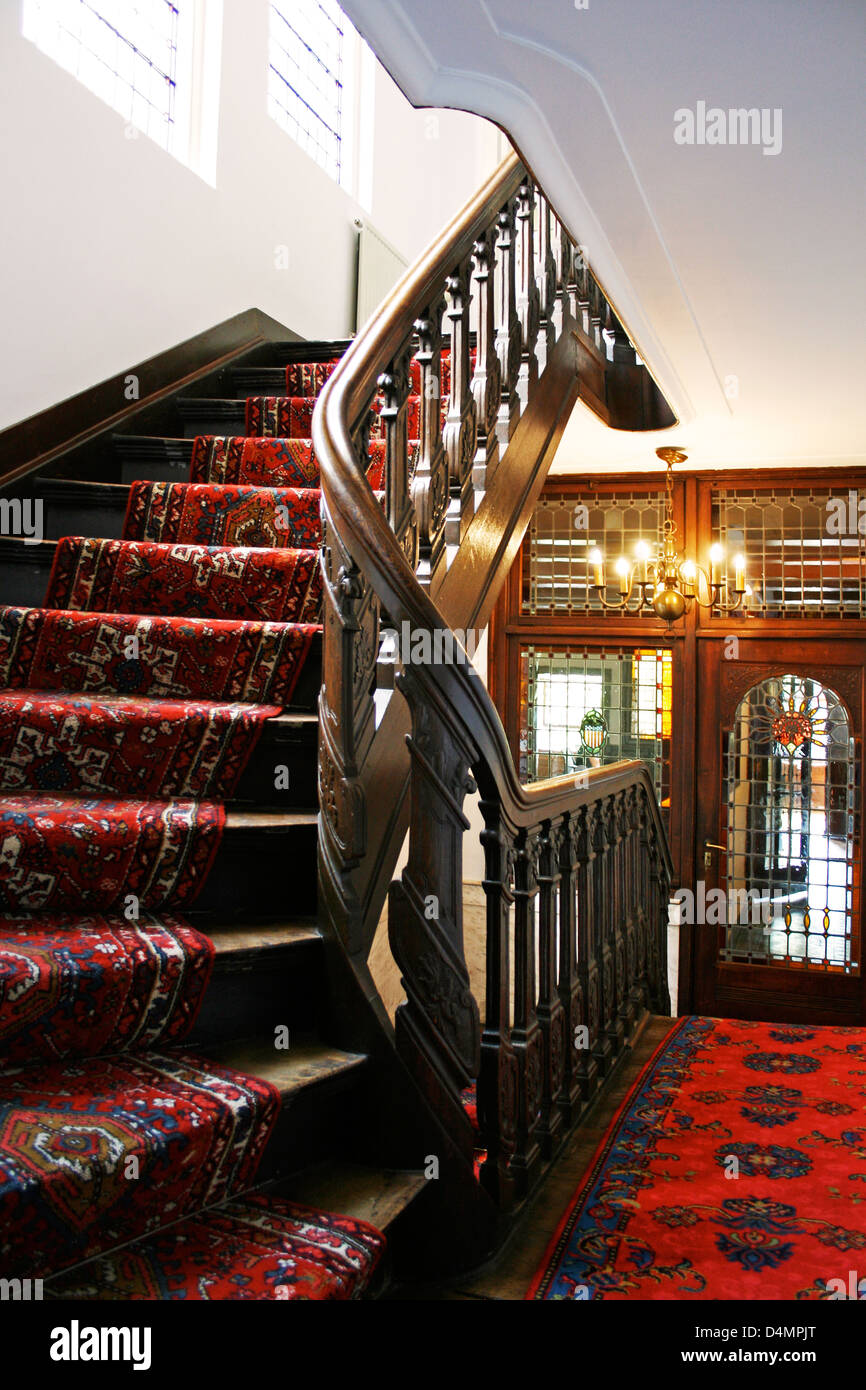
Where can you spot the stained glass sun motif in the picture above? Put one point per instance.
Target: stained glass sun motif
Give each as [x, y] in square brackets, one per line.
[795, 727]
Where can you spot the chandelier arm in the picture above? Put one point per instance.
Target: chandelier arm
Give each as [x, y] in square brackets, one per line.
[623, 605]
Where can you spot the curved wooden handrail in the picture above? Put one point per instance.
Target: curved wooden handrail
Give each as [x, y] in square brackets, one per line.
[391, 559]
[343, 404]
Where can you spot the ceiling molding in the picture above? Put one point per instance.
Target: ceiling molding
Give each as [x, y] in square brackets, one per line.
[720, 263]
[388, 29]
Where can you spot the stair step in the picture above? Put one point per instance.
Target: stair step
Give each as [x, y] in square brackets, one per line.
[367, 1194]
[152, 458]
[306, 1062]
[76, 507]
[25, 570]
[232, 943]
[257, 381]
[265, 859]
[172, 1111]
[263, 976]
[290, 742]
[110, 745]
[320, 1111]
[200, 415]
[43, 649]
[257, 1247]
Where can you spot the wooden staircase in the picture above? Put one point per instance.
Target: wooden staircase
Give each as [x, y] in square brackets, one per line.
[376, 1121]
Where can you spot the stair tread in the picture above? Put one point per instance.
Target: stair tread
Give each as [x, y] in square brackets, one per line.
[366, 1194]
[268, 820]
[307, 1062]
[286, 719]
[113, 700]
[234, 940]
[110, 489]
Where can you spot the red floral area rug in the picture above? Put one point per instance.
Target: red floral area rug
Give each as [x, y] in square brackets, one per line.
[97, 1152]
[201, 581]
[61, 852]
[225, 514]
[121, 654]
[77, 986]
[256, 1248]
[735, 1169]
[115, 745]
[267, 462]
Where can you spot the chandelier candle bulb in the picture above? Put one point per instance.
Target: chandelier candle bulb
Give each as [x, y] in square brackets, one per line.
[641, 551]
[622, 569]
[740, 573]
[717, 555]
[597, 562]
[688, 574]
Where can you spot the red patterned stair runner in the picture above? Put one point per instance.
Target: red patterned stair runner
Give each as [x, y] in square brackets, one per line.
[77, 985]
[258, 1247]
[129, 705]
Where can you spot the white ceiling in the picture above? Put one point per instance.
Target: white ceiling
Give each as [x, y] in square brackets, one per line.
[722, 261]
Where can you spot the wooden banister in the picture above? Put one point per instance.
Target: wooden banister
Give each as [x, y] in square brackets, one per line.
[577, 869]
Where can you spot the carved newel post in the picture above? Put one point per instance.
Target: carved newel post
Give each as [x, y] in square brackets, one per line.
[438, 1028]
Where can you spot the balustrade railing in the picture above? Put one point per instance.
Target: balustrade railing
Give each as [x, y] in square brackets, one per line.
[468, 370]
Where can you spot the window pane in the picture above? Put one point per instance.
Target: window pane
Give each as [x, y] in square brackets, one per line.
[305, 76]
[586, 709]
[805, 549]
[562, 532]
[125, 51]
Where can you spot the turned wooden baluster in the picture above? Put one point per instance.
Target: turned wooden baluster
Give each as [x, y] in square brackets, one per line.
[460, 432]
[660, 894]
[608, 1037]
[637, 982]
[438, 1028]
[551, 1020]
[394, 390]
[622, 350]
[597, 309]
[525, 1033]
[612, 932]
[562, 264]
[587, 1047]
[624, 1002]
[509, 342]
[527, 290]
[430, 481]
[487, 378]
[607, 332]
[569, 985]
[497, 1080]
[546, 281]
[579, 291]
[645, 949]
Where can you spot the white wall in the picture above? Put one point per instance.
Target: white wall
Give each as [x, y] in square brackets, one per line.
[112, 251]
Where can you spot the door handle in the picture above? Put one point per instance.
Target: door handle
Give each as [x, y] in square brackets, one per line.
[708, 846]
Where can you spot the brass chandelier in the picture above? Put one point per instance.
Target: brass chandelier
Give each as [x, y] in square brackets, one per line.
[668, 582]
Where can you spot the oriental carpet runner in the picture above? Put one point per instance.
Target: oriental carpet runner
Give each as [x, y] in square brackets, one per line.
[734, 1169]
[96, 1152]
[253, 1248]
[79, 984]
[130, 705]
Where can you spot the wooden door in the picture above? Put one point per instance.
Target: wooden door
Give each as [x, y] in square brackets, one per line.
[777, 911]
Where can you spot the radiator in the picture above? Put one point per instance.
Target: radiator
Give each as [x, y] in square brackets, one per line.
[379, 268]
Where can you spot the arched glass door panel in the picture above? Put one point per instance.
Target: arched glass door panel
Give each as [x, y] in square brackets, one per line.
[791, 797]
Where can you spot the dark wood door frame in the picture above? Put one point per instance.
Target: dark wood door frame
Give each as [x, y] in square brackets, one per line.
[512, 629]
[747, 991]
